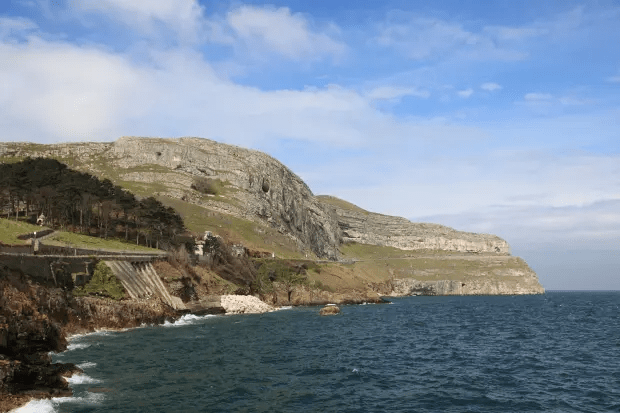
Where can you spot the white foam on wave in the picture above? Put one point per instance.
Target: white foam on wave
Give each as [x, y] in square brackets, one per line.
[286, 307]
[101, 332]
[77, 346]
[89, 399]
[81, 379]
[87, 365]
[36, 406]
[51, 405]
[187, 319]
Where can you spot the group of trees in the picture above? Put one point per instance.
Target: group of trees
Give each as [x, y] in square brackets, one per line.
[81, 202]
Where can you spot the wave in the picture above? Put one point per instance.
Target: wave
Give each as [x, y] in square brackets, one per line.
[51, 405]
[77, 346]
[187, 319]
[101, 332]
[288, 307]
[36, 406]
[81, 379]
[87, 365]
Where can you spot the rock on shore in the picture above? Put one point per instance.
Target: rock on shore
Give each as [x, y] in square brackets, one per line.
[244, 304]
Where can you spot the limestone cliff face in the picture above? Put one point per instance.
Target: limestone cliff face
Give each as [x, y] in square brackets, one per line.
[524, 283]
[264, 188]
[377, 229]
[258, 187]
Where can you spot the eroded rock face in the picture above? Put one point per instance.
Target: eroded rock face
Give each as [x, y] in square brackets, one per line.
[521, 285]
[266, 190]
[377, 229]
[34, 319]
[261, 189]
[26, 337]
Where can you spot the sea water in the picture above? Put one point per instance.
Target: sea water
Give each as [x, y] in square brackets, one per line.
[558, 352]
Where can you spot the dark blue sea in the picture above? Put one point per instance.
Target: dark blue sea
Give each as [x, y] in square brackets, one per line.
[559, 352]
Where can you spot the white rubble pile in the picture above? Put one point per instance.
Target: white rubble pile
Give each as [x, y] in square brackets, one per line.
[244, 304]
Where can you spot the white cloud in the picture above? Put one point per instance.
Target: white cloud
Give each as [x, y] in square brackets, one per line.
[465, 93]
[422, 38]
[537, 97]
[515, 33]
[12, 26]
[57, 91]
[282, 32]
[490, 86]
[54, 89]
[394, 92]
[574, 101]
[184, 17]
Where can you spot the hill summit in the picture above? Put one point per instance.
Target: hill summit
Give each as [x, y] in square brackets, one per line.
[253, 186]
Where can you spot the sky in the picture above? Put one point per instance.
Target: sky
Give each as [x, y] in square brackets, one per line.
[499, 117]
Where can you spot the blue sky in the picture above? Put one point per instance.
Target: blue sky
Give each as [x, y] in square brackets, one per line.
[499, 117]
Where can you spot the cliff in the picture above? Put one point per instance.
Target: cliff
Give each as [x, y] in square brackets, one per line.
[365, 227]
[254, 187]
[258, 202]
[36, 316]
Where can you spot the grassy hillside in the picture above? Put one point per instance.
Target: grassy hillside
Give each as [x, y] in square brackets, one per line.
[251, 234]
[340, 203]
[10, 229]
[72, 240]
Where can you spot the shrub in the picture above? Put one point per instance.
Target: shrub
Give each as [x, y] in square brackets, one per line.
[104, 283]
[207, 185]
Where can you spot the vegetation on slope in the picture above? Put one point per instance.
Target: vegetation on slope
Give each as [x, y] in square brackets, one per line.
[103, 283]
[81, 202]
[340, 203]
[252, 235]
[73, 240]
[10, 229]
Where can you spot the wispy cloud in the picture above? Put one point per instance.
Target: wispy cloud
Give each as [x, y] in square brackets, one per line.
[423, 38]
[283, 32]
[465, 93]
[537, 97]
[490, 86]
[183, 17]
[15, 26]
[394, 93]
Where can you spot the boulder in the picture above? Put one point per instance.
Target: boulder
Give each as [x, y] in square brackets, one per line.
[329, 309]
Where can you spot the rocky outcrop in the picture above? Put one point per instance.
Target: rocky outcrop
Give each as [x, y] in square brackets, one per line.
[35, 317]
[329, 310]
[406, 287]
[257, 187]
[264, 188]
[26, 337]
[366, 227]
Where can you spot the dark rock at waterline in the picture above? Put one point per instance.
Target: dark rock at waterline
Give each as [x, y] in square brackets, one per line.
[34, 319]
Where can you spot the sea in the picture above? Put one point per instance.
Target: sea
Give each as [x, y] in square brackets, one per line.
[557, 352]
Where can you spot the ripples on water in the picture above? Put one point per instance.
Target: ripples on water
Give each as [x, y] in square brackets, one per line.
[557, 352]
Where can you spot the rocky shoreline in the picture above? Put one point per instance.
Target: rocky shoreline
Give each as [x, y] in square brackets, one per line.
[37, 319]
